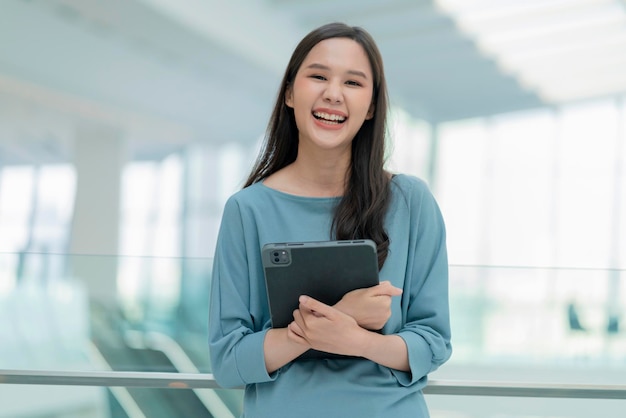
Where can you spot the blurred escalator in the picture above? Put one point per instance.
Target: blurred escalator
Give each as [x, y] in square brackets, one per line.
[125, 350]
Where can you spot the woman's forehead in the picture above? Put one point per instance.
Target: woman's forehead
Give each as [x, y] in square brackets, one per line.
[341, 54]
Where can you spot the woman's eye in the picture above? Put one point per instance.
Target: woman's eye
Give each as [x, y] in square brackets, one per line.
[353, 83]
[318, 77]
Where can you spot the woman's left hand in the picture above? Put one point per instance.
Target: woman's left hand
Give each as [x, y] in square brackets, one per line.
[325, 328]
[371, 306]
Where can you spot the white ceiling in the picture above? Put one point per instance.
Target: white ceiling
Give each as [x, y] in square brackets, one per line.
[209, 70]
[564, 50]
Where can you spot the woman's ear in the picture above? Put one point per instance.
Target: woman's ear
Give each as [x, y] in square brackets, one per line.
[370, 112]
[289, 96]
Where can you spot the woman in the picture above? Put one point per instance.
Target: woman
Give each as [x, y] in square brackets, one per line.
[321, 176]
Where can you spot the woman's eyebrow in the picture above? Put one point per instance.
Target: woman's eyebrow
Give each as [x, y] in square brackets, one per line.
[326, 68]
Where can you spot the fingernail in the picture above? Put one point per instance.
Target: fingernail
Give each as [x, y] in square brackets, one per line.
[303, 299]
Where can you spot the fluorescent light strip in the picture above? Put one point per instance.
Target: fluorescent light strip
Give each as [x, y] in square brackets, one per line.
[495, 9]
[555, 54]
[604, 64]
[541, 14]
[529, 32]
[591, 32]
[615, 77]
[568, 93]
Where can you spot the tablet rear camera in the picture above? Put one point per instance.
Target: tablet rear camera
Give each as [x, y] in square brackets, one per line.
[280, 257]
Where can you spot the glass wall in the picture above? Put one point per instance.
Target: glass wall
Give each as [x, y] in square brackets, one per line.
[537, 188]
[541, 188]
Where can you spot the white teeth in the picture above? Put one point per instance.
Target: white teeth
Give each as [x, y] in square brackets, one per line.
[327, 116]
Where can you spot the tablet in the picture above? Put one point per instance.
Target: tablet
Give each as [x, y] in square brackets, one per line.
[324, 270]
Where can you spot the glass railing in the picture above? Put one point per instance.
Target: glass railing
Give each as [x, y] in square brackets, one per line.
[538, 316]
[127, 337]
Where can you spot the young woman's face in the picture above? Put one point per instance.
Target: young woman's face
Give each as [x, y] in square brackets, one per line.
[331, 94]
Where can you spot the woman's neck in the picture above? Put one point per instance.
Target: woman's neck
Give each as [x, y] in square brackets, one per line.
[305, 177]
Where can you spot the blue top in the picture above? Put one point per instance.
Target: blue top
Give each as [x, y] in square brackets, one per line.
[239, 313]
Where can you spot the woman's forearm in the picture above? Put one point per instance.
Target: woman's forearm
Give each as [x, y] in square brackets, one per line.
[387, 350]
[279, 349]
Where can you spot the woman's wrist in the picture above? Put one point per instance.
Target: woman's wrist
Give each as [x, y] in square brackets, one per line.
[279, 349]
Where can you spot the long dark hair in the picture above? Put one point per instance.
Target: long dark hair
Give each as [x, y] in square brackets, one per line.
[361, 211]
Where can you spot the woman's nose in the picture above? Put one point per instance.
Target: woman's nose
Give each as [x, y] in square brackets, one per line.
[333, 93]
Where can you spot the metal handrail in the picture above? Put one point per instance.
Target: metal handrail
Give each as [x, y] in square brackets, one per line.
[182, 363]
[206, 380]
[121, 394]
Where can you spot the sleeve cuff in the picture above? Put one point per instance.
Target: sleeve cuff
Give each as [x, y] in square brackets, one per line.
[420, 360]
[251, 359]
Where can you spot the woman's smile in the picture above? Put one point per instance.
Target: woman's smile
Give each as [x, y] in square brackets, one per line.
[329, 119]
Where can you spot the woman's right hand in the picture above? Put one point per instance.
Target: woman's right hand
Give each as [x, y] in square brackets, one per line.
[370, 307]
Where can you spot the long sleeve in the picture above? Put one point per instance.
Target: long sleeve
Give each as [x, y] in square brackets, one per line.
[425, 306]
[235, 336]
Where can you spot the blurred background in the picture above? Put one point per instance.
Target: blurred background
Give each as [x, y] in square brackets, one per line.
[126, 124]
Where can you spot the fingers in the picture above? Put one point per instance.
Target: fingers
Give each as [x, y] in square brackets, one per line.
[316, 307]
[385, 288]
[303, 316]
[308, 309]
[295, 334]
[295, 328]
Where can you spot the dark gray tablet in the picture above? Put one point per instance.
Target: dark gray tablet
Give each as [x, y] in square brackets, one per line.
[324, 270]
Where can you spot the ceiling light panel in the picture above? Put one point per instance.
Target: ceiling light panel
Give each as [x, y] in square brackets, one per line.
[563, 50]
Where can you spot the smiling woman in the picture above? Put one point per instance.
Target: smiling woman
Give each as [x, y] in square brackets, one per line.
[321, 176]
